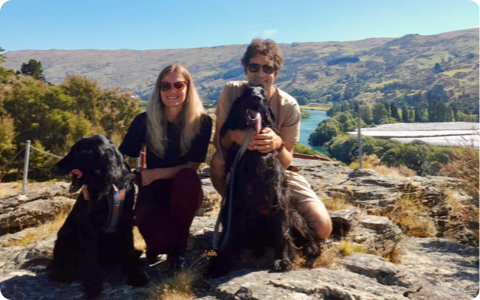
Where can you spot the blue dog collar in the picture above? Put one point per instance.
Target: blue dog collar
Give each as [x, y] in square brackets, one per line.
[115, 205]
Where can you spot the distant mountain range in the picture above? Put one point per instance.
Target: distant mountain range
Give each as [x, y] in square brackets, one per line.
[371, 69]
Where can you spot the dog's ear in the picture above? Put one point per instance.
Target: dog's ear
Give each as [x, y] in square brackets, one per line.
[112, 165]
[235, 119]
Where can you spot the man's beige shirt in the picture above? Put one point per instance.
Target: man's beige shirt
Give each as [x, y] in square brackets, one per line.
[284, 106]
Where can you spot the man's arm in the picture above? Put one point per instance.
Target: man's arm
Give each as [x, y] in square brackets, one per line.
[268, 140]
[237, 136]
[218, 125]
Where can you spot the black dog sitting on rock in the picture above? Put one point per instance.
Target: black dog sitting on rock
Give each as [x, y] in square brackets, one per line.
[263, 212]
[98, 232]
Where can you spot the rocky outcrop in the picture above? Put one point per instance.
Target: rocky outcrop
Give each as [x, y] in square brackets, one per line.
[40, 204]
[427, 273]
[425, 268]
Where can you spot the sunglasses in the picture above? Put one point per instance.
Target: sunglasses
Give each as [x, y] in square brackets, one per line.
[254, 68]
[177, 86]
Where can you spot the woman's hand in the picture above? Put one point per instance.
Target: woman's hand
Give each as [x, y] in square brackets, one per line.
[148, 176]
[266, 141]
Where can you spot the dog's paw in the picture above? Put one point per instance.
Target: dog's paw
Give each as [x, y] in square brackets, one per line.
[282, 265]
[137, 279]
[92, 288]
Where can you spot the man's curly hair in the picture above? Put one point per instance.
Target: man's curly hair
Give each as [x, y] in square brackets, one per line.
[267, 48]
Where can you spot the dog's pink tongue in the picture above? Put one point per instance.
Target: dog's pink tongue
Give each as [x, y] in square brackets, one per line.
[258, 123]
[77, 172]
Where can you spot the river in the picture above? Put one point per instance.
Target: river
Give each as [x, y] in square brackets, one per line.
[307, 126]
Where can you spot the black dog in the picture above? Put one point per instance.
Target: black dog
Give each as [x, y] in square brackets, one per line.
[87, 240]
[263, 212]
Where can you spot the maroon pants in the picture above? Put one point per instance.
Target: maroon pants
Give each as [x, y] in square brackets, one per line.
[165, 210]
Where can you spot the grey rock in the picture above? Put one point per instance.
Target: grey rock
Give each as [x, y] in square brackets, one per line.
[429, 268]
[376, 234]
[32, 213]
[378, 268]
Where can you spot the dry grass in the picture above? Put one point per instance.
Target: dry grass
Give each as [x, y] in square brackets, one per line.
[41, 232]
[394, 255]
[464, 164]
[336, 203]
[180, 286]
[138, 240]
[410, 215]
[210, 205]
[372, 162]
[10, 188]
[346, 247]
[327, 257]
[177, 287]
[454, 204]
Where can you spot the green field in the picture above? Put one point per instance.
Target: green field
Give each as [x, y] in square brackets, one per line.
[306, 107]
[453, 72]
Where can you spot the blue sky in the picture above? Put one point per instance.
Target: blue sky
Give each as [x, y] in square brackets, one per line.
[149, 24]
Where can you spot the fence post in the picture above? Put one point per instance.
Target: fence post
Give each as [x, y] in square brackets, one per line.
[25, 167]
[360, 166]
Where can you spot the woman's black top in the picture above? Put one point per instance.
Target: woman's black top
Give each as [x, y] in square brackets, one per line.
[137, 134]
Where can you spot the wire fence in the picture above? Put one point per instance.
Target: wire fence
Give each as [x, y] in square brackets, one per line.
[44, 152]
[11, 160]
[26, 149]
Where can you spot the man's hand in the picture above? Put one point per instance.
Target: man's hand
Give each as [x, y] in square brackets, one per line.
[265, 142]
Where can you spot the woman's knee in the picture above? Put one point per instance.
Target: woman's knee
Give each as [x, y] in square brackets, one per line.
[188, 177]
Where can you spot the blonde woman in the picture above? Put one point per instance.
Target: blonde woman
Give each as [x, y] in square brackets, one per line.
[176, 132]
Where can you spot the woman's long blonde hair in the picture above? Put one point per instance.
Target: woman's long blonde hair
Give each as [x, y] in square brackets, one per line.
[188, 121]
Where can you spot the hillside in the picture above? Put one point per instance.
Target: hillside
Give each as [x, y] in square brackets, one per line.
[370, 69]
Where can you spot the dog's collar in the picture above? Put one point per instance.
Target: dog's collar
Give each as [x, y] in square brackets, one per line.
[115, 208]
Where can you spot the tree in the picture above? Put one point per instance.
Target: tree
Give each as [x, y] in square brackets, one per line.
[437, 93]
[405, 113]
[118, 109]
[411, 116]
[387, 108]
[326, 130]
[2, 57]
[366, 113]
[7, 137]
[379, 112]
[449, 114]
[437, 69]
[40, 112]
[455, 111]
[33, 68]
[302, 100]
[420, 113]
[346, 121]
[394, 112]
[86, 97]
[336, 108]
